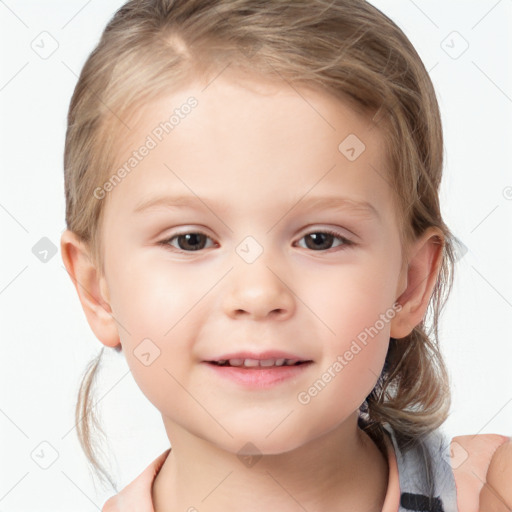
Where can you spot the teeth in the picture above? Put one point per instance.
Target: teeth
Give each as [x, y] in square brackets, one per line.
[253, 363]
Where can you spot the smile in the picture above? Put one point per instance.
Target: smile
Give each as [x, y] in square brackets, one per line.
[258, 373]
[257, 363]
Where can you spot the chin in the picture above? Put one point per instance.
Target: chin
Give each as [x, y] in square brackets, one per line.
[257, 442]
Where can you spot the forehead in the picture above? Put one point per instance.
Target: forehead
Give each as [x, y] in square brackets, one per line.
[250, 140]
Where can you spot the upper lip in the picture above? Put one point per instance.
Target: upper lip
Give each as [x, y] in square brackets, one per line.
[261, 356]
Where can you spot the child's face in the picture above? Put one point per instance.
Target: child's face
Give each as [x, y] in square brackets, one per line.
[252, 161]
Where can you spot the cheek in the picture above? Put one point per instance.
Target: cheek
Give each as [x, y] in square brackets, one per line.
[351, 297]
[153, 308]
[355, 305]
[151, 297]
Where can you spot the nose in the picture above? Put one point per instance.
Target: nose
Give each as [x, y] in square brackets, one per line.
[259, 290]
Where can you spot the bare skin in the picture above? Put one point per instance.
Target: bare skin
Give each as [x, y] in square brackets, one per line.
[352, 476]
[254, 153]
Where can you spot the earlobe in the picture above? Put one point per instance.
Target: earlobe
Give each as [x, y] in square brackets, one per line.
[91, 287]
[421, 277]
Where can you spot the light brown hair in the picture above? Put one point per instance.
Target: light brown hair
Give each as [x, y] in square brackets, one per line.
[347, 48]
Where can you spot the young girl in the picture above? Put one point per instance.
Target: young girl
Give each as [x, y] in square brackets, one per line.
[253, 220]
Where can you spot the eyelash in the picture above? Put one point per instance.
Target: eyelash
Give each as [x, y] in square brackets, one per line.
[346, 242]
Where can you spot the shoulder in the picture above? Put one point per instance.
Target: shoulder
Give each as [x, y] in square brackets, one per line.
[482, 467]
[110, 505]
[497, 493]
[136, 496]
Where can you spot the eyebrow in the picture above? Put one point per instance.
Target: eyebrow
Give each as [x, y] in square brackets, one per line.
[363, 208]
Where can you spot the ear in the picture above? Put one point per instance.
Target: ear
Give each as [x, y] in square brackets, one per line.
[91, 287]
[420, 277]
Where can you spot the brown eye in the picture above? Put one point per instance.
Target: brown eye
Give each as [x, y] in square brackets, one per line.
[196, 241]
[187, 242]
[322, 240]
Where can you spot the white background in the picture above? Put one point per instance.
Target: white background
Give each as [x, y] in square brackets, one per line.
[46, 341]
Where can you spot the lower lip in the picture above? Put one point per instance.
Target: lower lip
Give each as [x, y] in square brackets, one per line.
[259, 377]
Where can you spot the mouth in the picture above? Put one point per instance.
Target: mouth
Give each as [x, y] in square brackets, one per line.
[259, 372]
[256, 364]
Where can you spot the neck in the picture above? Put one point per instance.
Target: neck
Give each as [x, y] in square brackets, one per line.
[342, 470]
